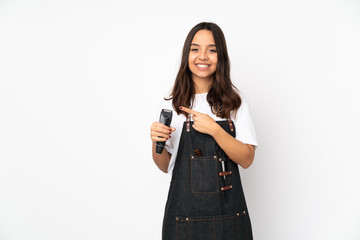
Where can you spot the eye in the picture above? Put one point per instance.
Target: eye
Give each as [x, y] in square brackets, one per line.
[213, 50]
[194, 49]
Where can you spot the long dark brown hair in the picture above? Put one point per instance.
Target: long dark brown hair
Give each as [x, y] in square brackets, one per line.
[222, 96]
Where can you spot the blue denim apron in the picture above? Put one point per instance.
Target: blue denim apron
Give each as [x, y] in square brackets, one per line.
[206, 199]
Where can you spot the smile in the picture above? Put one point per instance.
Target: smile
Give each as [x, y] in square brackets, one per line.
[202, 66]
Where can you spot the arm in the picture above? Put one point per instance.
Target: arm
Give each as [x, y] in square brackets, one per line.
[242, 154]
[161, 160]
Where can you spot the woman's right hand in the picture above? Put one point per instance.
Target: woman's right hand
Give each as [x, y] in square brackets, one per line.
[160, 132]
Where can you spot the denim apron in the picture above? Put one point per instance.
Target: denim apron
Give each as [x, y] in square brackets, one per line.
[206, 199]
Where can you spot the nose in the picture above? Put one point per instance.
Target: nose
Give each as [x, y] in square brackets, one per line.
[203, 55]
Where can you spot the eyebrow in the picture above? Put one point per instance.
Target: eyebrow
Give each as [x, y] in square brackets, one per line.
[210, 45]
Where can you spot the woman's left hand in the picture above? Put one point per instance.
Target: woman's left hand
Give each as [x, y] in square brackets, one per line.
[202, 122]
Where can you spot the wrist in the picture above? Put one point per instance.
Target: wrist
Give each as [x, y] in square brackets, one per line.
[216, 130]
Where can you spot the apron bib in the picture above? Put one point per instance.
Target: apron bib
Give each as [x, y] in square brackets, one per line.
[206, 199]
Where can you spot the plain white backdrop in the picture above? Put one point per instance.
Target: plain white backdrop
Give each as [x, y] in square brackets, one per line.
[81, 83]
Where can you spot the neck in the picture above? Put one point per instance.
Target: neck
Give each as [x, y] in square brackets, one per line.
[202, 85]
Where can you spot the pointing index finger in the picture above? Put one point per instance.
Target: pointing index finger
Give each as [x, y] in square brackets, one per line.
[188, 110]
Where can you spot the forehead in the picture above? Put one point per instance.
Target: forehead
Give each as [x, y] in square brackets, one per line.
[203, 37]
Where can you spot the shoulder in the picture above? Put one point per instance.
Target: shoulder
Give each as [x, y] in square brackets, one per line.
[243, 107]
[242, 96]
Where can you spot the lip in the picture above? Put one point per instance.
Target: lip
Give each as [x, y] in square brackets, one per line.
[202, 68]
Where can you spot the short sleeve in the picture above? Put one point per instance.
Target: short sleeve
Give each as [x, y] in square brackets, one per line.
[245, 131]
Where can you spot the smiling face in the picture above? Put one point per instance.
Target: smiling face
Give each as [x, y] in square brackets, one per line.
[203, 56]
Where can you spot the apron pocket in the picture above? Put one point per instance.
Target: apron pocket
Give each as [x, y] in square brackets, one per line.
[225, 227]
[204, 174]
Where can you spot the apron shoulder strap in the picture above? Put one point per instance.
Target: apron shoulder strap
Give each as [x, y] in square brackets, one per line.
[188, 123]
[230, 124]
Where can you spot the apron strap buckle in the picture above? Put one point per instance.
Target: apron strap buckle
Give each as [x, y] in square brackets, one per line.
[226, 188]
[225, 173]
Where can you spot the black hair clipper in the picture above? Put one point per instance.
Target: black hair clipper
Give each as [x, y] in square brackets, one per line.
[165, 118]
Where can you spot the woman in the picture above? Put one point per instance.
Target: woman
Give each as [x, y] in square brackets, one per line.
[210, 135]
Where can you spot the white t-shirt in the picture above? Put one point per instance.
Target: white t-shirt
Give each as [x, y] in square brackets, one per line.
[244, 127]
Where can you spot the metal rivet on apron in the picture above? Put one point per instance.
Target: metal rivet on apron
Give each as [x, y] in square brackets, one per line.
[192, 157]
[188, 123]
[187, 219]
[237, 214]
[244, 212]
[177, 218]
[215, 157]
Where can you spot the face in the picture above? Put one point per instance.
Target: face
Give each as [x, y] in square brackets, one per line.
[203, 55]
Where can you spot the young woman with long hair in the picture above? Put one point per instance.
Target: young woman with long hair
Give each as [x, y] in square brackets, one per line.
[210, 135]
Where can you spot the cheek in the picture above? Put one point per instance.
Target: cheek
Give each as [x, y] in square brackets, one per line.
[214, 63]
[214, 59]
[191, 58]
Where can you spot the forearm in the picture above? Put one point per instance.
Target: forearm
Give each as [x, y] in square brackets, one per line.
[242, 154]
[161, 160]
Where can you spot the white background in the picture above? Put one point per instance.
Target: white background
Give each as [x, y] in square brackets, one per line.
[81, 82]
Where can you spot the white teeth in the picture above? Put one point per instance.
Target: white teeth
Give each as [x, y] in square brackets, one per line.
[202, 65]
